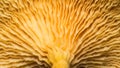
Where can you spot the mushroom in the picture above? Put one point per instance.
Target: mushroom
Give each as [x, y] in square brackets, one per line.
[59, 33]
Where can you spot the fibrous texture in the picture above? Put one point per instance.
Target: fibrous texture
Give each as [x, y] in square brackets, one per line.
[59, 33]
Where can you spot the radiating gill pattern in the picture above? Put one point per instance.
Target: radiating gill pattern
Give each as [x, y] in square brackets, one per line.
[59, 33]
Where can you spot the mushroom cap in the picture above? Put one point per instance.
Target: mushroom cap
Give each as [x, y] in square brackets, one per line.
[60, 33]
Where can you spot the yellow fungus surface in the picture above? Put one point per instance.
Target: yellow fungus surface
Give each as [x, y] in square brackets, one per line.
[59, 33]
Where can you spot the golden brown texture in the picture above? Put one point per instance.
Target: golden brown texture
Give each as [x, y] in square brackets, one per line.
[46, 33]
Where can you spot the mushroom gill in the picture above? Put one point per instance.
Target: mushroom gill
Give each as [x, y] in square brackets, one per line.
[59, 33]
